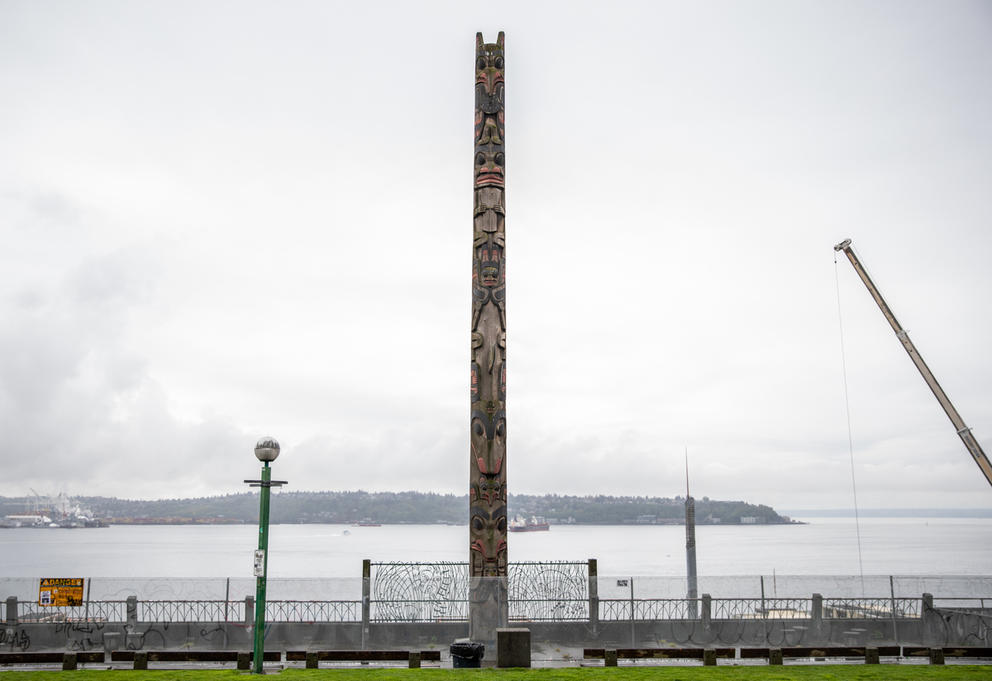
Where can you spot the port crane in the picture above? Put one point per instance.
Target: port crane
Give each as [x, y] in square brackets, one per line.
[964, 432]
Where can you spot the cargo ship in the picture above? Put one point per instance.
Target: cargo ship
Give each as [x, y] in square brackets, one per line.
[534, 524]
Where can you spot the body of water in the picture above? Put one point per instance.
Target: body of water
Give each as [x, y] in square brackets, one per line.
[120, 557]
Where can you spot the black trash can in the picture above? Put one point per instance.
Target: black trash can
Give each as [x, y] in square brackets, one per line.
[466, 654]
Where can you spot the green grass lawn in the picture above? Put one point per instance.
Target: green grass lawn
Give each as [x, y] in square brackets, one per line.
[748, 673]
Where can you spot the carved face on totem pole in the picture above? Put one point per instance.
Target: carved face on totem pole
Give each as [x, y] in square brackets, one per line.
[489, 151]
[488, 495]
[487, 487]
[488, 90]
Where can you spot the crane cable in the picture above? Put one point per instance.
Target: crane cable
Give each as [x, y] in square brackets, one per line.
[850, 437]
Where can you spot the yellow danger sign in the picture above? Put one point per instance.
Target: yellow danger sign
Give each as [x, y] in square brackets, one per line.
[59, 591]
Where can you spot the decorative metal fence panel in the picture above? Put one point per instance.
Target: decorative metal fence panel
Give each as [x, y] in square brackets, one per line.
[419, 611]
[419, 592]
[549, 610]
[438, 592]
[556, 592]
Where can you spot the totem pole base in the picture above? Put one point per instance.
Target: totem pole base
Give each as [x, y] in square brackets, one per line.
[487, 611]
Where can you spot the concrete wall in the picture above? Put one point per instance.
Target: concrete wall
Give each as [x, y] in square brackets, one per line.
[944, 629]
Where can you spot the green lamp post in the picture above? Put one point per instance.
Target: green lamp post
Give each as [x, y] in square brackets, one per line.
[267, 450]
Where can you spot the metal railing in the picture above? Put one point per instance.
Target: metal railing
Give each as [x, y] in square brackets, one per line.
[94, 611]
[195, 611]
[618, 609]
[870, 608]
[536, 592]
[187, 611]
[520, 610]
[313, 611]
[761, 608]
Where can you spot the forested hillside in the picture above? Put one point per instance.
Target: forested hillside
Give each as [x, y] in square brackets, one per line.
[409, 507]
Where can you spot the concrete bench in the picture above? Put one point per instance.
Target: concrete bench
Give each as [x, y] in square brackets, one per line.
[413, 658]
[610, 656]
[141, 658]
[937, 655]
[776, 656]
[67, 660]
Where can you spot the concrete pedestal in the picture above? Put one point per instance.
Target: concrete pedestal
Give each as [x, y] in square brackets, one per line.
[513, 647]
[111, 641]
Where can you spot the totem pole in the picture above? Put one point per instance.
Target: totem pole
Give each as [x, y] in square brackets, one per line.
[487, 483]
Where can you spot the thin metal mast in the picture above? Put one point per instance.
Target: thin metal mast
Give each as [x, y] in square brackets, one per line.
[690, 542]
[964, 432]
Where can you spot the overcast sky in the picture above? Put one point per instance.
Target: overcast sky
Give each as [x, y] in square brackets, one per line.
[220, 220]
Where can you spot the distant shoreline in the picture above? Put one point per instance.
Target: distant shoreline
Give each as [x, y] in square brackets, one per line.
[890, 513]
[822, 513]
[218, 522]
[395, 508]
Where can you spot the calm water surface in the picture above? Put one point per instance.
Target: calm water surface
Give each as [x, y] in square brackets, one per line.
[826, 546]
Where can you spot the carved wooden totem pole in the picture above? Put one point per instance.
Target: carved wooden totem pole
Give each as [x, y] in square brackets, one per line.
[487, 485]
